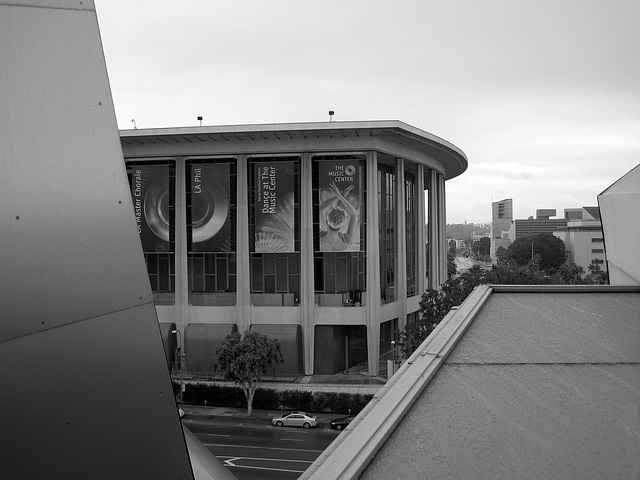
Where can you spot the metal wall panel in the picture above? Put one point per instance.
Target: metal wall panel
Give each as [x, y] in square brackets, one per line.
[91, 399]
[86, 391]
[70, 247]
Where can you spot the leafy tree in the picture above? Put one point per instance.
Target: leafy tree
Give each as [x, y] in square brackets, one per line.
[568, 274]
[435, 304]
[596, 275]
[433, 308]
[244, 359]
[549, 248]
[451, 259]
[482, 247]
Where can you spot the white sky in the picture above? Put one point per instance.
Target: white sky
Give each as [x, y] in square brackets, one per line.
[543, 96]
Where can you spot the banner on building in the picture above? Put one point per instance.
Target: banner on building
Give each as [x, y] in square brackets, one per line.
[340, 185]
[274, 208]
[153, 205]
[209, 208]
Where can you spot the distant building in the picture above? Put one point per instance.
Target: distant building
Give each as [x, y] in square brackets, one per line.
[501, 219]
[543, 223]
[619, 206]
[583, 237]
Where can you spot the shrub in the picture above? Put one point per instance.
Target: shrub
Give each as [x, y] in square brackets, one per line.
[269, 399]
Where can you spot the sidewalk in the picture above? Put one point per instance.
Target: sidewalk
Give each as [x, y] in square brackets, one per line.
[194, 411]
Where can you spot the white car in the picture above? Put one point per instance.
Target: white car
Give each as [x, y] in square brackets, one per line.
[295, 419]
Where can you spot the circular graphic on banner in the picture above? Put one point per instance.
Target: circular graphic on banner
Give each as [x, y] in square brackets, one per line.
[350, 170]
[209, 212]
[156, 210]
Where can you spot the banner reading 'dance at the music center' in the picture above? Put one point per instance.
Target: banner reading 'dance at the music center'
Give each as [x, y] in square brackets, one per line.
[340, 185]
[274, 208]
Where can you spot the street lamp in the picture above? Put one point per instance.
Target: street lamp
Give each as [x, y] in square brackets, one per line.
[393, 347]
[180, 355]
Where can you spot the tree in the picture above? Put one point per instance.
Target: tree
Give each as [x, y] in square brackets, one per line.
[596, 275]
[482, 248]
[435, 304]
[244, 359]
[451, 259]
[549, 248]
[433, 307]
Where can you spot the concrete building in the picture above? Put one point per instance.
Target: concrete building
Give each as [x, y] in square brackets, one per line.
[543, 223]
[501, 219]
[311, 233]
[583, 237]
[619, 206]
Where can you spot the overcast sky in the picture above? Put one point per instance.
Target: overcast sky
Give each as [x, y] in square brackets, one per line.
[543, 96]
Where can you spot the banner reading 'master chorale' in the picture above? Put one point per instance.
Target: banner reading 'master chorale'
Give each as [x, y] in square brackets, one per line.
[150, 191]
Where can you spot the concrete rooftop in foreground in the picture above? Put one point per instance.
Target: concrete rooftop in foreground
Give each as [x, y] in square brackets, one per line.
[519, 382]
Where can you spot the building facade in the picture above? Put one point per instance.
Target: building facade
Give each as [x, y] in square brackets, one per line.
[583, 237]
[501, 220]
[310, 233]
[619, 205]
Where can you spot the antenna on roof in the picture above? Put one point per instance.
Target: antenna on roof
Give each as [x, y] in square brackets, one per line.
[134, 123]
[331, 112]
[200, 120]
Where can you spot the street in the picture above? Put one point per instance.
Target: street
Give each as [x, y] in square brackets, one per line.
[255, 449]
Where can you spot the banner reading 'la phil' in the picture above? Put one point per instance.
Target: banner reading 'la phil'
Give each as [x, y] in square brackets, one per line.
[340, 190]
[274, 209]
[210, 212]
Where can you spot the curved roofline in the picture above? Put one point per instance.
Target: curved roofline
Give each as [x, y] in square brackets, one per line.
[455, 159]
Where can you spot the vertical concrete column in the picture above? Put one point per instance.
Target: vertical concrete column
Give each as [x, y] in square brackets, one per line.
[307, 303]
[421, 257]
[442, 227]
[373, 265]
[432, 232]
[243, 298]
[181, 307]
[401, 245]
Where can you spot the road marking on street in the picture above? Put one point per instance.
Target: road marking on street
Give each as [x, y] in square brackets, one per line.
[260, 448]
[293, 439]
[230, 462]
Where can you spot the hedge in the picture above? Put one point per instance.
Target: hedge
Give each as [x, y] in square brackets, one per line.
[269, 399]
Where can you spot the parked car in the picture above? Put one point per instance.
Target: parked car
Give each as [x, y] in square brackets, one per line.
[295, 419]
[340, 423]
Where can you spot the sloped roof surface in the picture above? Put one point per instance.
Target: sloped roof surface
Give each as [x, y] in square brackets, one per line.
[594, 212]
[628, 183]
[541, 385]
